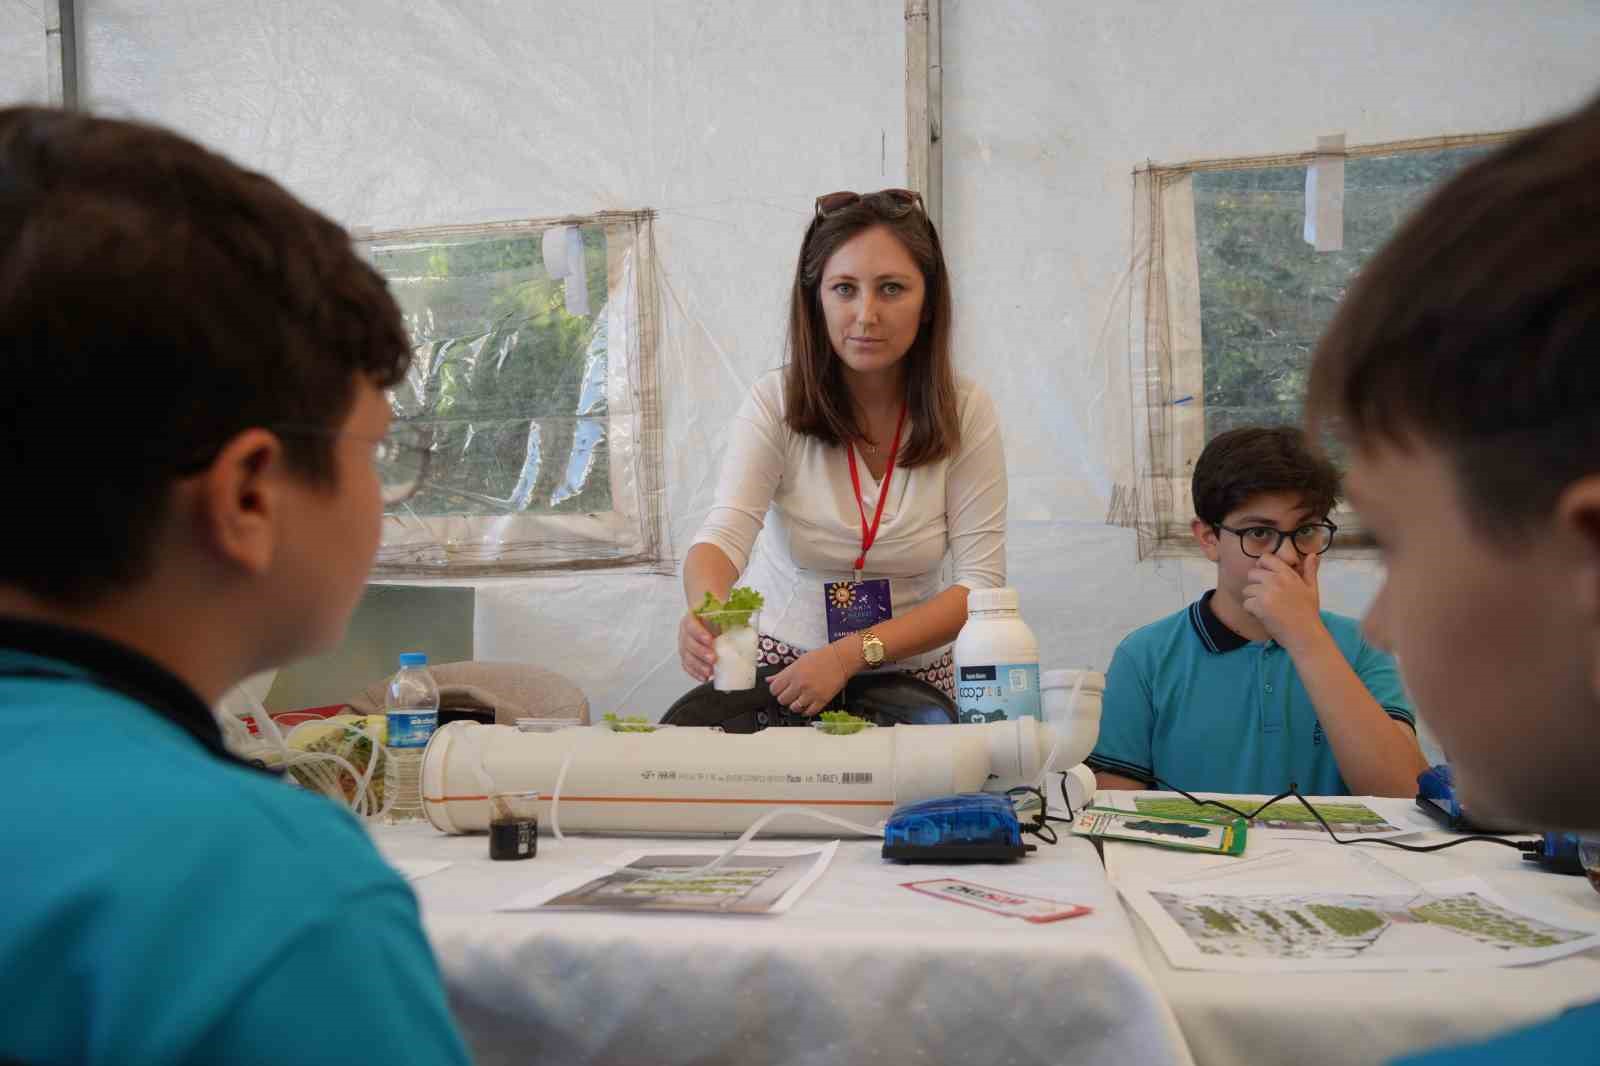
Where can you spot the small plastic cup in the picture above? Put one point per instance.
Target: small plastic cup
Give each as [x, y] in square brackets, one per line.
[513, 825]
[738, 648]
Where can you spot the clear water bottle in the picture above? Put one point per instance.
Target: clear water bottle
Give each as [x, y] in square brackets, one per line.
[412, 706]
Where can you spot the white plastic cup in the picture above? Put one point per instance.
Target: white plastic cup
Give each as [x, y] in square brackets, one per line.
[737, 647]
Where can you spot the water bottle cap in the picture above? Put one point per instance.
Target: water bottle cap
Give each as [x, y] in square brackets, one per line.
[413, 658]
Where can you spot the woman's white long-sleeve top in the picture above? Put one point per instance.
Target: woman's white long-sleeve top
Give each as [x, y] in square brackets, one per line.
[944, 523]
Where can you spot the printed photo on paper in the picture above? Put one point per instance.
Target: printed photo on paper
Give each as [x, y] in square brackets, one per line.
[748, 883]
[1446, 925]
[1347, 817]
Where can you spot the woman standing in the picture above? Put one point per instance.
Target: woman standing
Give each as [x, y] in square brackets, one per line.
[877, 474]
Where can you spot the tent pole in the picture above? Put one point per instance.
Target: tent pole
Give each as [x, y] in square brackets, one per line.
[924, 153]
[61, 51]
[934, 195]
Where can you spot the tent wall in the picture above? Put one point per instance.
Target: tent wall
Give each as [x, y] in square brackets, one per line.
[22, 52]
[1050, 106]
[728, 116]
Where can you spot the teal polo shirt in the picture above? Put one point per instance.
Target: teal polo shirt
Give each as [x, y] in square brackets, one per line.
[165, 903]
[1192, 702]
[1573, 1037]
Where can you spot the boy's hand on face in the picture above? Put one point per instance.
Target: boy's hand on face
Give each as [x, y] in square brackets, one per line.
[1286, 599]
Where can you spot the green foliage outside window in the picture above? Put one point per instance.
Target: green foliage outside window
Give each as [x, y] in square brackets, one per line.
[1265, 294]
[511, 383]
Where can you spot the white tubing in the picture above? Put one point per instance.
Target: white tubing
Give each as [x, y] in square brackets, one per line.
[297, 758]
[361, 800]
[745, 838]
[363, 795]
[1055, 748]
[1072, 708]
[265, 724]
[555, 797]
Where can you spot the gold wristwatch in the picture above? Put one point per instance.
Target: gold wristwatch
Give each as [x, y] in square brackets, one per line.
[871, 650]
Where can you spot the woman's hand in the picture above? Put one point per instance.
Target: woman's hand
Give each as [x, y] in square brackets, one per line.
[695, 647]
[807, 685]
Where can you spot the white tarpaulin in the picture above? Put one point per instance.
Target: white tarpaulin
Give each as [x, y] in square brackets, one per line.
[728, 117]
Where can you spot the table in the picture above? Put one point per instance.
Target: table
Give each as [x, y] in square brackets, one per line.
[1332, 1018]
[861, 970]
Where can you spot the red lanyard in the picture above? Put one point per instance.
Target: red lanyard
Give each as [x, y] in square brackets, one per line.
[870, 534]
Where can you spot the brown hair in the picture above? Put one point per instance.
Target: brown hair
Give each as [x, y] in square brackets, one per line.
[1252, 460]
[816, 398]
[1477, 328]
[155, 301]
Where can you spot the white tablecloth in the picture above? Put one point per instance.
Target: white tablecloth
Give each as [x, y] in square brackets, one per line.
[1335, 1018]
[861, 970]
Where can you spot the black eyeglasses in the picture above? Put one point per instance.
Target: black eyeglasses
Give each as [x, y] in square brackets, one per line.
[1311, 539]
[401, 456]
[828, 203]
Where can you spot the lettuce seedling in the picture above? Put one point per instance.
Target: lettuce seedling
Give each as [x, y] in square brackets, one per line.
[634, 723]
[842, 723]
[733, 612]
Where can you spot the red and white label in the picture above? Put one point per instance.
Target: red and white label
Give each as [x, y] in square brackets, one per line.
[997, 900]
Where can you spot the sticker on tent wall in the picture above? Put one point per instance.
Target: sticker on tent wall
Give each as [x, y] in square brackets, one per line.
[1324, 229]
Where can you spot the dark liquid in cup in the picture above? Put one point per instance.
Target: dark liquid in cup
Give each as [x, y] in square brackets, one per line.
[513, 839]
[1594, 877]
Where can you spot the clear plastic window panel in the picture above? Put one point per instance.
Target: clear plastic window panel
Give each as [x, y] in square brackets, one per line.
[510, 369]
[1265, 294]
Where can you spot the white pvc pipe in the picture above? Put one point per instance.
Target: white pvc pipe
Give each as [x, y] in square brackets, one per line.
[706, 781]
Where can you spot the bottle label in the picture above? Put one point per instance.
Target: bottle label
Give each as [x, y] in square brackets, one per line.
[411, 729]
[997, 693]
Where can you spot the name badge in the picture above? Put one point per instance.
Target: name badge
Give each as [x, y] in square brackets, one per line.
[856, 605]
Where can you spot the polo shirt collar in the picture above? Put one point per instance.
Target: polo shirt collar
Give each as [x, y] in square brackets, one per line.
[1216, 636]
[40, 649]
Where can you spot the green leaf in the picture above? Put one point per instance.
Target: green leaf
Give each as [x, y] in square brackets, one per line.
[735, 611]
[842, 723]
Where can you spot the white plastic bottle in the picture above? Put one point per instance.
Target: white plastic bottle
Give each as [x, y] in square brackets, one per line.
[997, 660]
[411, 704]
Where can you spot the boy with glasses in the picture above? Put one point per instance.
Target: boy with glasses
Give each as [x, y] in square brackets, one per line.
[1254, 687]
[196, 450]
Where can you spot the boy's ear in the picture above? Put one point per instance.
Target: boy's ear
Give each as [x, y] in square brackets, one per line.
[238, 502]
[1578, 519]
[1205, 535]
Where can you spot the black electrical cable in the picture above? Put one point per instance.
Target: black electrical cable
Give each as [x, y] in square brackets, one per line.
[1040, 825]
[1530, 846]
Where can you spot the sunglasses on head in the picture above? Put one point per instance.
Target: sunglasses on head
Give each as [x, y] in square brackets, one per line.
[828, 203]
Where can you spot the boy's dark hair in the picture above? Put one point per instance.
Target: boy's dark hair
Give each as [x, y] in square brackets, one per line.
[816, 401]
[1247, 462]
[155, 301]
[1477, 328]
